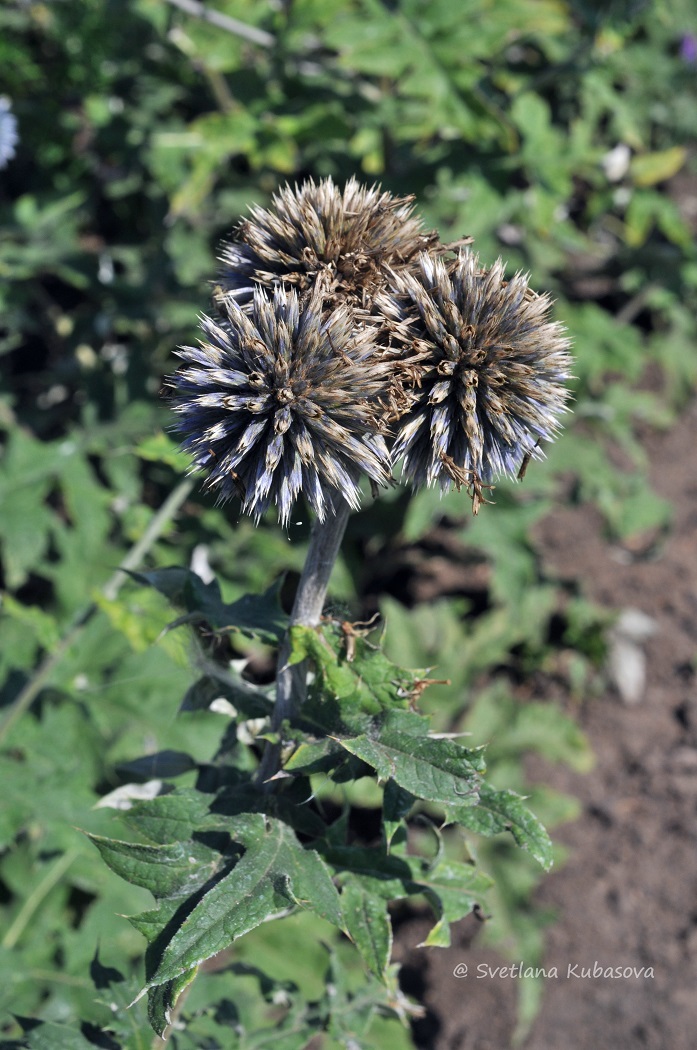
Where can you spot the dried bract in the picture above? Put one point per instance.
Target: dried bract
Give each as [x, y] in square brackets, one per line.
[489, 369]
[279, 401]
[317, 235]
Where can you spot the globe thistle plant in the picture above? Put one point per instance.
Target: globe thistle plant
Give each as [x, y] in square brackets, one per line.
[278, 400]
[487, 367]
[335, 315]
[317, 235]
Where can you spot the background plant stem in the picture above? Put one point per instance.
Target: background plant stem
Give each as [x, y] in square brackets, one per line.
[132, 560]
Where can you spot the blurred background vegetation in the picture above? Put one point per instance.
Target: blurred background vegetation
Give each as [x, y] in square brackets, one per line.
[560, 135]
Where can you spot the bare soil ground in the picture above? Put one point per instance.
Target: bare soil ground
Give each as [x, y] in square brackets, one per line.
[627, 895]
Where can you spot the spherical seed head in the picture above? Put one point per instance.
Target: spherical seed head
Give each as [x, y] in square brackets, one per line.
[277, 401]
[488, 375]
[315, 234]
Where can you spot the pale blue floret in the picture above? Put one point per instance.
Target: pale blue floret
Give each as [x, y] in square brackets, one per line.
[9, 135]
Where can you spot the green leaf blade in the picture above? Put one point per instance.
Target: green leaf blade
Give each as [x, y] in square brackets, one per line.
[367, 923]
[169, 818]
[274, 875]
[255, 615]
[503, 810]
[170, 870]
[435, 770]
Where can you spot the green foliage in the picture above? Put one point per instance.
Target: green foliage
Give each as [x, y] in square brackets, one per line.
[145, 133]
[224, 857]
[257, 616]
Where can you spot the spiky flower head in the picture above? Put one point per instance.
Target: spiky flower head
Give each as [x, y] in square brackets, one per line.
[317, 235]
[277, 401]
[488, 373]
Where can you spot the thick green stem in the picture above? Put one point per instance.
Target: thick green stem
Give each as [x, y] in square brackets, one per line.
[291, 682]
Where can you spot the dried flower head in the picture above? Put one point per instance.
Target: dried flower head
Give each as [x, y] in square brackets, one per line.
[488, 372]
[279, 401]
[316, 235]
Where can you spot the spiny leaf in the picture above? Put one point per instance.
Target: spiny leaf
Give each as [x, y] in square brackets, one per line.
[451, 887]
[162, 999]
[320, 756]
[344, 690]
[167, 871]
[255, 615]
[504, 810]
[151, 923]
[435, 770]
[367, 923]
[169, 818]
[274, 874]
